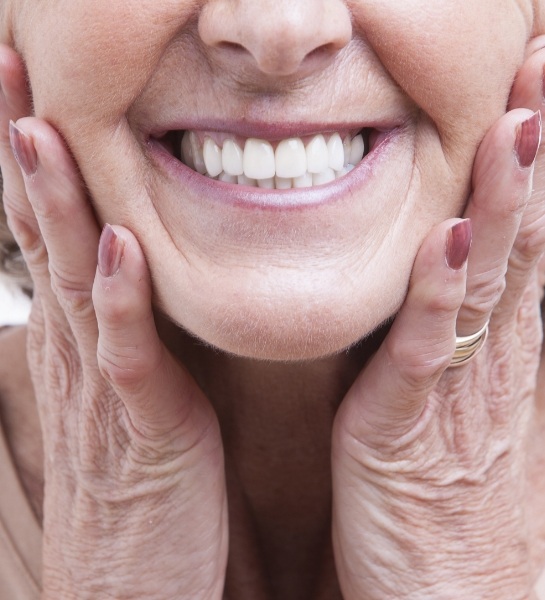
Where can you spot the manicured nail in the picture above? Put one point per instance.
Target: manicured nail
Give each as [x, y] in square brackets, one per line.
[458, 244]
[110, 252]
[528, 140]
[23, 149]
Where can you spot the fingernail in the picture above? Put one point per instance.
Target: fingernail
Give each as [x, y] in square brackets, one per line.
[110, 252]
[458, 244]
[528, 140]
[23, 150]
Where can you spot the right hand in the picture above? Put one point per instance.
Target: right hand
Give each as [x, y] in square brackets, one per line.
[135, 500]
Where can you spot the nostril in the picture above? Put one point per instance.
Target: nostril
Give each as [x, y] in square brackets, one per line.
[233, 46]
[322, 52]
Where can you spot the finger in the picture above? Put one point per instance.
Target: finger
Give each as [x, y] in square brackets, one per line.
[14, 104]
[390, 395]
[158, 393]
[66, 222]
[502, 180]
[528, 91]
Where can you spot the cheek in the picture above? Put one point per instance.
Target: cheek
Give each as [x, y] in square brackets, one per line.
[100, 54]
[452, 57]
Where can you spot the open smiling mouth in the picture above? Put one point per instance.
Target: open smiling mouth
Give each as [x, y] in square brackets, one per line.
[295, 162]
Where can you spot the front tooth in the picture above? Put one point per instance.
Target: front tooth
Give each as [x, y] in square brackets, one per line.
[212, 157]
[282, 183]
[357, 150]
[187, 154]
[336, 152]
[290, 158]
[267, 183]
[347, 149]
[325, 176]
[231, 158]
[196, 153]
[303, 181]
[226, 178]
[258, 159]
[243, 180]
[317, 155]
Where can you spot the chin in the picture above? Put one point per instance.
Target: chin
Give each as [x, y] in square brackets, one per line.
[284, 325]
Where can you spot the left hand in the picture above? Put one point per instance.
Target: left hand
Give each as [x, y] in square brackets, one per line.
[429, 481]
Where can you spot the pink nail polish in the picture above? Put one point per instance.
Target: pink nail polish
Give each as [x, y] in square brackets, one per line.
[458, 244]
[110, 252]
[528, 140]
[23, 150]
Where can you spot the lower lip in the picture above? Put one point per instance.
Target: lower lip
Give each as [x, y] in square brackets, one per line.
[251, 197]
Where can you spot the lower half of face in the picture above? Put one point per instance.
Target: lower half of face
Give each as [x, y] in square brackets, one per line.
[281, 274]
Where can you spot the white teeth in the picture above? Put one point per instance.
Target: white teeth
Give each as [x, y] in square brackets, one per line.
[358, 150]
[347, 148]
[258, 160]
[267, 183]
[325, 176]
[290, 158]
[231, 158]
[243, 180]
[282, 183]
[317, 155]
[292, 165]
[336, 152]
[197, 153]
[225, 177]
[212, 157]
[303, 181]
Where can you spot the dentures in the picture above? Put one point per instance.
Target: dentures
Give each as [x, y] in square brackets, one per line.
[289, 163]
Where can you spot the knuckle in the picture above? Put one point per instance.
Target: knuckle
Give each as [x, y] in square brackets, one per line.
[483, 296]
[419, 363]
[530, 244]
[74, 300]
[445, 304]
[63, 366]
[115, 308]
[123, 368]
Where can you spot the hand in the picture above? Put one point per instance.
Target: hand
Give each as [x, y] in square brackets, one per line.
[429, 461]
[135, 501]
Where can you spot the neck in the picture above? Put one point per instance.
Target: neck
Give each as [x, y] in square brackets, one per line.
[276, 420]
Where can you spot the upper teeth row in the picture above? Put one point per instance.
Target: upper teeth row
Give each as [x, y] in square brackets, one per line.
[259, 161]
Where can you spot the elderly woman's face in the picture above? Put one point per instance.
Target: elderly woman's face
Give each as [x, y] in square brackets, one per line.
[274, 273]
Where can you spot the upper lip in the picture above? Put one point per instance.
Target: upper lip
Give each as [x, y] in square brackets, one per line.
[274, 130]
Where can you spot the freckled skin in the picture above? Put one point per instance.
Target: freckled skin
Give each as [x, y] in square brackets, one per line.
[245, 281]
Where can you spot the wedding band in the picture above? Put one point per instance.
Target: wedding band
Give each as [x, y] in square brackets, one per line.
[468, 346]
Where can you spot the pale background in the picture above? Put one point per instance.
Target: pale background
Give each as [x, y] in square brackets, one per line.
[14, 305]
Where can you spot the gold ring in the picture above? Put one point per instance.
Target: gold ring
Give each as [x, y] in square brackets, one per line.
[468, 346]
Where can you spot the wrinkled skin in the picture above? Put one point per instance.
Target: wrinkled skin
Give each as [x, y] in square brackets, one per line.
[428, 478]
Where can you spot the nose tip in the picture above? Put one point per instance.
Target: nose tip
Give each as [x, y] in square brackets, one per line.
[279, 38]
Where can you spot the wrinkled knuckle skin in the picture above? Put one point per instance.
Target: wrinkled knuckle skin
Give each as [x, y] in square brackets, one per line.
[531, 244]
[419, 367]
[116, 309]
[445, 305]
[483, 298]
[75, 301]
[122, 371]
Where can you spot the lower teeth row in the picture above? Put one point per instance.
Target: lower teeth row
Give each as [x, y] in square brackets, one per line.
[285, 183]
[290, 165]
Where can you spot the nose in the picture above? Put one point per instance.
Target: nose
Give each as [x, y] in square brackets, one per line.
[278, 37]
